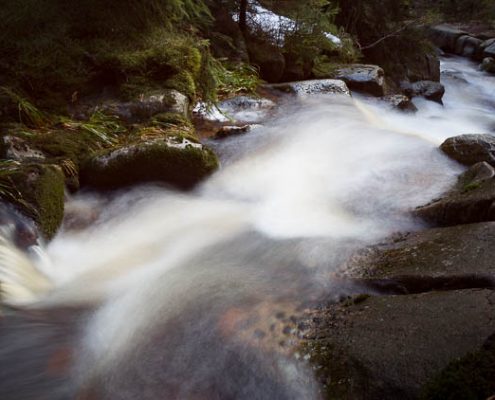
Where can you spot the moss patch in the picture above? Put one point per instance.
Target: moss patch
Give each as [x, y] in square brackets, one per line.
[470, 378]
[42, 190]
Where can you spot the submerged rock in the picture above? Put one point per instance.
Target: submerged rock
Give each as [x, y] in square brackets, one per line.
[430, 90]
[470, 149]
[362, 78]
[488, 65]
[177, 161]
[471, 200]
[400, 102]
[388, 347]
[317, 86]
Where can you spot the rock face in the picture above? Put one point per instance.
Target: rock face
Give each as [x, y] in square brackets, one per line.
[470, 149]
[471, 200]
[173, 160]
[430, 90]
[170, 101]
[445, 36]
[362, 78]
[424, 68]
[389, 347]
[489, 48]
[317, 86]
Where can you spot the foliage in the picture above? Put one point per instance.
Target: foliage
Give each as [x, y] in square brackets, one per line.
[56, 51]
[235, 78]
[28, 113]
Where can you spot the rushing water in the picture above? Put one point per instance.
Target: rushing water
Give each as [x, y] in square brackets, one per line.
[190, 296]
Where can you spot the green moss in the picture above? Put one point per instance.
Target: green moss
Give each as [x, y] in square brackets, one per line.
[42, 189]
[324, 67]
[471, 186]
[171, 119]
[469, 378]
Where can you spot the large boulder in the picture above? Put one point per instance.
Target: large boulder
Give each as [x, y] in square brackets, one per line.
[145, 107]
[313, 87]
[177, 161]
[387, 348]
[471, 200]
[445, 36]
[430, 90]
[468, 46]
[362, 78]
[470, 149]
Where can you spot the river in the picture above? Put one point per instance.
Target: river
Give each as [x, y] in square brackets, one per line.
[167, 295]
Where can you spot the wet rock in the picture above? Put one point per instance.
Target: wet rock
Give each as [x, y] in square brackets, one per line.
[41, 190]
[468, 46]
[313, 87]
[470, 149]
[472, 199]
[169, 101]
[489, 48]
[19, 149]
[362, 78]
[430, 90]
[177, 161]
[228, 130]
[424, 68]
[400, 102]
[488, 65]
[456, 76]
[457, 251]
[445, 36]
[389, 347]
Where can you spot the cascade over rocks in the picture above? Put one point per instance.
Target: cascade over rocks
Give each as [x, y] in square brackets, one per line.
[470, 149]
[400, 102]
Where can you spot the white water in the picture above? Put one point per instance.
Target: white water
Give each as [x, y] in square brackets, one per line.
[181, 282]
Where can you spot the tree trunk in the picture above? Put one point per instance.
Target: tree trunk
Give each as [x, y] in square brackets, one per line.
[243, 15]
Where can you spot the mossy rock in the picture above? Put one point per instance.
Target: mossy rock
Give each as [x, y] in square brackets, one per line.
[470, 378]
[173, 160]
[42, 190]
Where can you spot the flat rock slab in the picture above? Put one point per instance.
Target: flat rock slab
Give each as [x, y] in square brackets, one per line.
[389, 347]
[439, 252]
